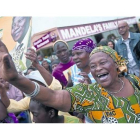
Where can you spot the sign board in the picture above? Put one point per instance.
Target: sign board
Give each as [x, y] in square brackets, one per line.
[79, 31]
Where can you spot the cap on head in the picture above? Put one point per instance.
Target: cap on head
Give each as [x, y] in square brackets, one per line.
[35, 75]
[59, 41]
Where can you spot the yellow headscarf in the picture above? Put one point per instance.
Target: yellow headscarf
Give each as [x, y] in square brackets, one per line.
[120, 61]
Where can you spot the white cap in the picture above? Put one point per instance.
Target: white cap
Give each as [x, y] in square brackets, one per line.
[35, 75]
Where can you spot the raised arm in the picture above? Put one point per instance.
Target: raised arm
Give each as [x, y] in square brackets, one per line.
[31, 55]
[3, 95]
[59, 99]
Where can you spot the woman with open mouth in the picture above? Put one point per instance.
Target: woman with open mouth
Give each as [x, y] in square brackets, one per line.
[80, 71]
[112, 99]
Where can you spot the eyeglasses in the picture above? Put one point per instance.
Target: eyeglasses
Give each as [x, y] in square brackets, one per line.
[122, 27]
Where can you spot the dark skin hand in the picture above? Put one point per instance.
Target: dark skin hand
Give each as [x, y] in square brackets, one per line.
[3, 105]
[85, 79]
[31, 55]
[59, 99]
[3, 95]
[4, 56]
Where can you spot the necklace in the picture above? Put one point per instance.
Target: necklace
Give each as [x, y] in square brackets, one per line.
[115, 92]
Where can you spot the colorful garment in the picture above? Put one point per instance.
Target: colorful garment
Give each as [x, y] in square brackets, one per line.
[84, 44]
[102, 107]
[11, 118]
[75, 75]
[58, 71]
[71, 119]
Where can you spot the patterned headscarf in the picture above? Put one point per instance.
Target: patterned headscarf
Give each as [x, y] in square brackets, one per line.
[120, 61]
[84, 44]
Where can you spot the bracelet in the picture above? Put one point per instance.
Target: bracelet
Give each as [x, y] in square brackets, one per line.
[35, 92]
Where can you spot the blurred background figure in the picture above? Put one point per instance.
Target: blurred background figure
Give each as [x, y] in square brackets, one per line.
[111, 44]
[55, 63]
[112, 37]
[47, 66]
[40, 58]
[103, 42]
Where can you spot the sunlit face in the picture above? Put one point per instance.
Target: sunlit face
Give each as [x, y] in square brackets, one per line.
[19, 28]
[62, 52]
[81, 58]
[39, 113]
[110, 44]
[103, 69]
[123, 28]
[45, 64]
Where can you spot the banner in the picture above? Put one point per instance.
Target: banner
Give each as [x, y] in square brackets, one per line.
[15, 32]
[45, 39]
[79, 31]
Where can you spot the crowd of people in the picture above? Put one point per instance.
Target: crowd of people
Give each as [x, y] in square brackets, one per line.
[95, 84]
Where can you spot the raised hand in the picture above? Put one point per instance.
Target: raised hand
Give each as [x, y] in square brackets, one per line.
[85, 79]
[3, 51]
[31, 55]
[7, 67]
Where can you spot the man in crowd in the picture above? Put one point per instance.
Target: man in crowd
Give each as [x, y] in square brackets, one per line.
[62, 52]
[126, 46]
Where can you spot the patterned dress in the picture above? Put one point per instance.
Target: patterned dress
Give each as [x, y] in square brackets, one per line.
[102, 107]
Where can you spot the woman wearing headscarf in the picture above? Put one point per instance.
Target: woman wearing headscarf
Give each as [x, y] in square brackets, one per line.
[80, 72]
[112, 99]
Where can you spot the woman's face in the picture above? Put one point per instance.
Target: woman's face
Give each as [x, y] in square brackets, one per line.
[103, 69]
[110, 44]
[81, 58]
